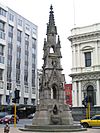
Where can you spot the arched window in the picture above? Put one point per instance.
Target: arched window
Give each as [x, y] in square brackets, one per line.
[54, 91]
[91, 93]
[52, 49]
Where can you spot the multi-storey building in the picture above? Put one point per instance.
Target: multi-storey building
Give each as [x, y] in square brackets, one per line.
[85, 43]
[18, 57]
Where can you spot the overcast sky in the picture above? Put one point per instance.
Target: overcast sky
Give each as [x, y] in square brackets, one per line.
[68, 14]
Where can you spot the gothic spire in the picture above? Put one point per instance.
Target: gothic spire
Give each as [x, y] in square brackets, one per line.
[51, 17]
[51, 28]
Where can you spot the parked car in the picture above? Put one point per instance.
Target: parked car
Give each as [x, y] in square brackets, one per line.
[3, 114]
[92, 122]
[31, 116]
[9, 119]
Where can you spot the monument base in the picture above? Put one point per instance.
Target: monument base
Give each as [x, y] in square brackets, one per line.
[52, 113]
[53, 128]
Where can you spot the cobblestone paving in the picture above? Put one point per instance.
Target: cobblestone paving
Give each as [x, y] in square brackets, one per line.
[16, 130]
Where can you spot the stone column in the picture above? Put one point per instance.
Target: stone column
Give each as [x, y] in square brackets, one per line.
[79, 64]
[74, 94]
[80, 95]
[98, 93]
[74, 57]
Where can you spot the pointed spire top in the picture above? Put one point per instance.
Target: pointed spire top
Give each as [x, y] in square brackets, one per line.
[51, 28]
[51, 8]
[51, 16]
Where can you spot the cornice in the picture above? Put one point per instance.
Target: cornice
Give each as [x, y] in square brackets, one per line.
[86, 37]
[86, 76]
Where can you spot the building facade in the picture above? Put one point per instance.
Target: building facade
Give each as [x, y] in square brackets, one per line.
[85, 72]
[18, 57]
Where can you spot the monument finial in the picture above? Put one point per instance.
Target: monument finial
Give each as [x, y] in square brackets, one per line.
[51, 25]
[51, 7]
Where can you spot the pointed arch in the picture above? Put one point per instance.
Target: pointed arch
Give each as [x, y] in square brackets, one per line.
[91, 93]
[54, 91]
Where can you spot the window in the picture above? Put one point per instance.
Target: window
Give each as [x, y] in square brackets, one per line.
[9, 70]
[33, 43]
[34, 30]
[10, 34]
[33, 90]
[26, 89]
[11, 17]
[25, 100]
[19, 35]
[33, 60]
[1, 50]
[87, 59]
[92, 94]
[1, 74]
[8, 86]
[20, 22]
[1, 85]
[27, 27]
[2, 35]
[2, 59]
[33, 78]
[33, 101]
[1, 26]
[26, 77]
[26, 37]
[18, 76]
[2, 12]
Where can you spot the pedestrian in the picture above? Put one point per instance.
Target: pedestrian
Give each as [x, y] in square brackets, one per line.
[6, 128]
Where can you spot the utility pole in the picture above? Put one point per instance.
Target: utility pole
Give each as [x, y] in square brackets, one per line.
[15, 115]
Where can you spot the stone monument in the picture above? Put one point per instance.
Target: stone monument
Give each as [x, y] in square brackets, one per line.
[51, 113]
[51, 109]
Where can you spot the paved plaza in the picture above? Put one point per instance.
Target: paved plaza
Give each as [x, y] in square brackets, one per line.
[16, 130]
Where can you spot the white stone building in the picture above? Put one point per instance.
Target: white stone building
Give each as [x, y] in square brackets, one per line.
[85, 72]
[18, 57]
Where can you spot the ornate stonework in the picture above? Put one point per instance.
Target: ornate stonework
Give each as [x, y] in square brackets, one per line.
[86, 76]
[51, 109]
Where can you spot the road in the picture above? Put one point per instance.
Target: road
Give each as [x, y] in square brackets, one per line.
[23, 122]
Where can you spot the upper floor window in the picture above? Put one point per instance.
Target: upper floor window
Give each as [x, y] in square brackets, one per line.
[10, 28]
[20, 22]
[87, 59]
[19, 35]
[27, 27]
[1, 26]
[2, 12]
[1, 49]
[1, 74]
[33, 43]
[34, 30]
[11, 17]
[26, 37]
[10, 34]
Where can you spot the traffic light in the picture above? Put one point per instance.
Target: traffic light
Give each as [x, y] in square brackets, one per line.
[17, 94]
[13, 100]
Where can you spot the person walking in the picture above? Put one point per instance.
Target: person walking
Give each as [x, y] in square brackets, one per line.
[6, 128]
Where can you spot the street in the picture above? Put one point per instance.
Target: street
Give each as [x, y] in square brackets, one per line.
[23, 122]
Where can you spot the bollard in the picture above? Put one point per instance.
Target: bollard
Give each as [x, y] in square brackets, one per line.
[6, 128]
